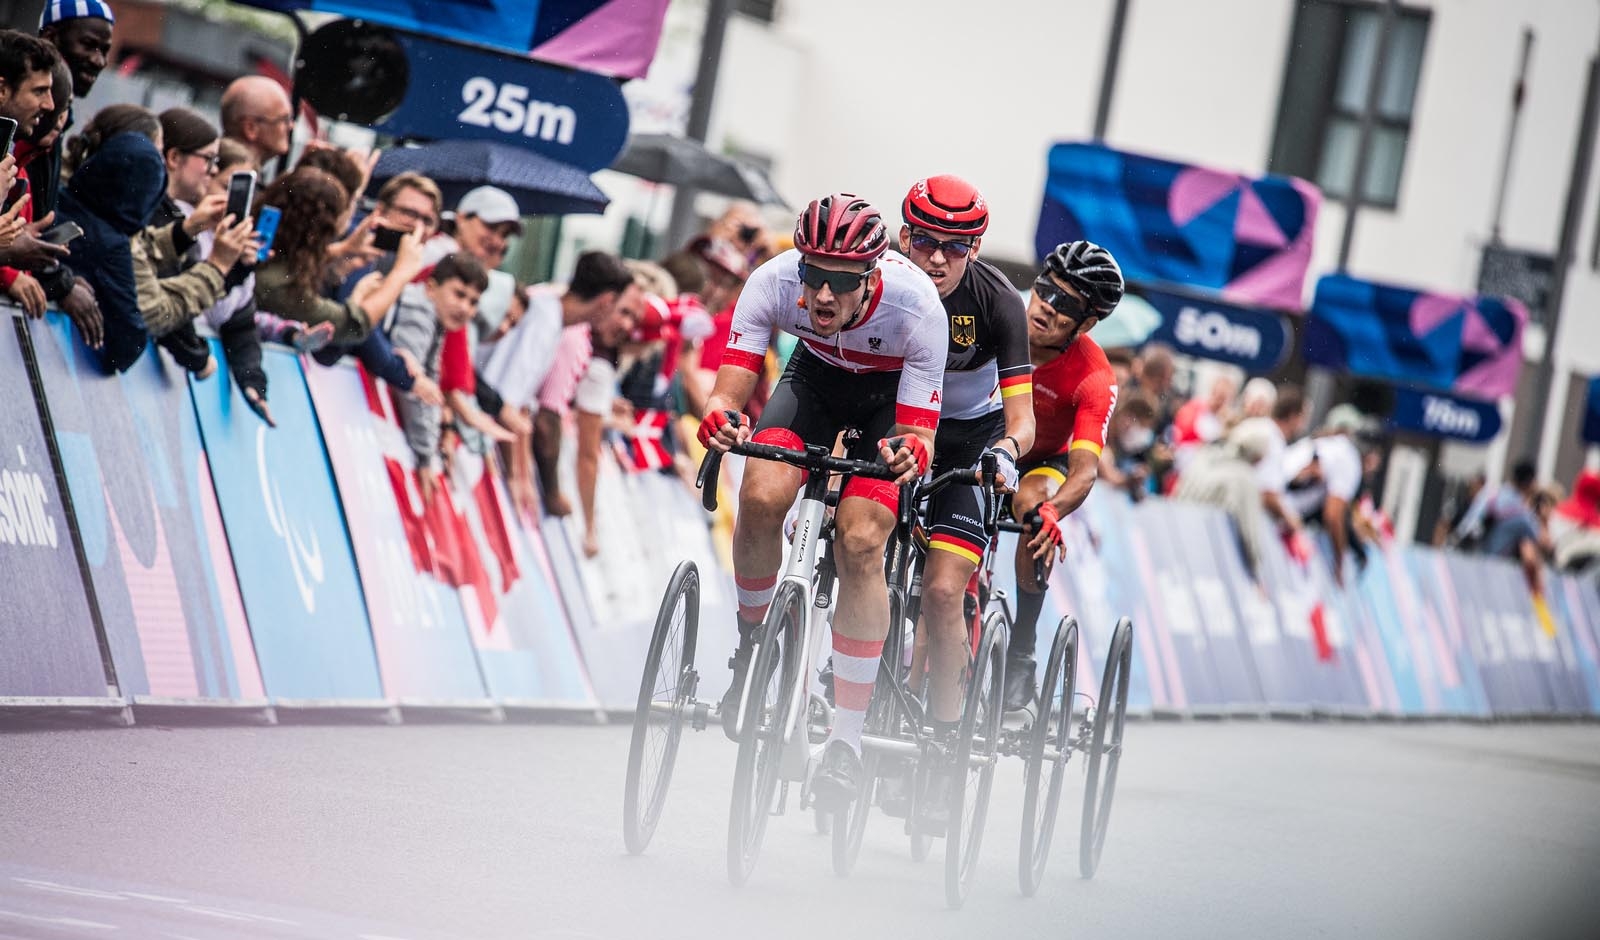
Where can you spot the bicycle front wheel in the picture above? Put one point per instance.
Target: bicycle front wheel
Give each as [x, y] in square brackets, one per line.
[774, 669]
[1049, 747]
[1105, 749]
[976, 754]
[664, 692]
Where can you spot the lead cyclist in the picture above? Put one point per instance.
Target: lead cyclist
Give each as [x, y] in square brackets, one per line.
[871, 356]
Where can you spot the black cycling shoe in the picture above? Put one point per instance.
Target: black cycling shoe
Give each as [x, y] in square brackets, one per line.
[837, 781]
[1019, 682]
[739, 662]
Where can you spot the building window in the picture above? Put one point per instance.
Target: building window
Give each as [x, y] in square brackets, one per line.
[763, 10]
[1331, 56]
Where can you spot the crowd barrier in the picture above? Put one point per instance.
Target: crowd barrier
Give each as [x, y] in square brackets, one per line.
[160, 545]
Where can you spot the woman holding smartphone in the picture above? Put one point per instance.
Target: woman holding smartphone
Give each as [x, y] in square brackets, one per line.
[291, 285]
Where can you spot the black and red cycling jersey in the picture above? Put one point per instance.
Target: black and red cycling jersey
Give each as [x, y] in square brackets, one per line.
[988, 356]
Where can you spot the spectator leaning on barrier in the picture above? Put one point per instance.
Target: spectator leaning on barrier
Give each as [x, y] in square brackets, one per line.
[1288, 424]
[256, 112]
[425, 313]
[1523, 535]
[290, 284]
[596, 398]
[111, 197]
[1223, 474]
[1492, 505]
[1203, 418]
[1324, 475]
[1575, 525]
[81, 31]
[175, 284]
[537, 366]
[28, 86]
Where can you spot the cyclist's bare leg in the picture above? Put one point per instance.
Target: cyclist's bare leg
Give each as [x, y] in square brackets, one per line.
[1033, 489]
[944, 591]
[765, 496]
[861, 620]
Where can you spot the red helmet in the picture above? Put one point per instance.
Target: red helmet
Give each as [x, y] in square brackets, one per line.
[947, 204]
[843, 226]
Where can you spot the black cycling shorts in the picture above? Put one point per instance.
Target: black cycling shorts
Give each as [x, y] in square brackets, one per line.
[1053, 468]
[955, 514]
[814, 401]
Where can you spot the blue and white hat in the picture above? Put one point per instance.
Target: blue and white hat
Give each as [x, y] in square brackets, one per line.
[56, 11]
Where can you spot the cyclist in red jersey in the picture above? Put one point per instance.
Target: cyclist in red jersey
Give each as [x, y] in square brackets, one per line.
[871, 357]
[1074, 393]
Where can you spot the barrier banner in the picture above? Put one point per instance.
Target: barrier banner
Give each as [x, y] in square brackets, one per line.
[518, 625]
[1391, 609]
[282, 515]
[418, 627]
[1205, 535]
[1100, 588]
[1581, 601]
[1175, 610]
[1463, 685]
[1493, 643]
[148, 517]
[1312, 634]
[647, 523]
[1568, 686]
[48, 646]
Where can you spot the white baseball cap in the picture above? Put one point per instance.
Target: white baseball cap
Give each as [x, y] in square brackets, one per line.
[491, 205]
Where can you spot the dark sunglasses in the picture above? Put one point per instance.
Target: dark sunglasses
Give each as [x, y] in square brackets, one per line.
[841, 282]
[1058, 300]
[927, 244]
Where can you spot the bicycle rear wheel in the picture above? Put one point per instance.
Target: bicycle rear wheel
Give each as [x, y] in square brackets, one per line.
[1049, 748]
[1105, 749]
[976, 754]
[774, 667]
[664, 691]
[848, 828]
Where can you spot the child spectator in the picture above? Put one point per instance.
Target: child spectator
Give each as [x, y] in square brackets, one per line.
[445, 301]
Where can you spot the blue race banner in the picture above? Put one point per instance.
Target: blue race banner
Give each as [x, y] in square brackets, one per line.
[507, 24]
[578, 118]
[1468, 345]
[1437, 414]
[162, 571]
[47, 640]
[1254, 340]
[1247, 238]
[287, 532]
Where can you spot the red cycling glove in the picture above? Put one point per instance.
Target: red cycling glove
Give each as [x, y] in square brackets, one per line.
[913, 443]
[716, 421]
[1049, 521]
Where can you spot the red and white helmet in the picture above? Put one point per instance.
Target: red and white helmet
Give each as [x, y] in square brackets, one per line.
[842, 226]
[947, 204]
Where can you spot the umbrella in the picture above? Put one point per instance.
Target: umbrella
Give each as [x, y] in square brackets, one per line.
[540, 184]
[661, 158]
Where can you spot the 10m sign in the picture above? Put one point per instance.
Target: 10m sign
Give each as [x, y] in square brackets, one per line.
[507, 108]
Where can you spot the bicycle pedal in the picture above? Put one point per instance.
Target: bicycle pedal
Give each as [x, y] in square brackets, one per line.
[700, 716]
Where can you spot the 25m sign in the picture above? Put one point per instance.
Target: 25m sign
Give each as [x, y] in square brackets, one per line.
[456, 93]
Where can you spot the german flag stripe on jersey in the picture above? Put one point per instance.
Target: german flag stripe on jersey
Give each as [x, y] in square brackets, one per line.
[1016, 385]
[957, 546]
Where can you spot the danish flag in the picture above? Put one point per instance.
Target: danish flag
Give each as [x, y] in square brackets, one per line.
[644, 445]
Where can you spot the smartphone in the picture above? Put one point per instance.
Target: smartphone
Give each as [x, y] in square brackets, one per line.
[267, 228]
[8, 134]
[241, 193]
[387, 239]
[61, 234]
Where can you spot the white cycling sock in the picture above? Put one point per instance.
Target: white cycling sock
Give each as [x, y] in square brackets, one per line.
[855, 669]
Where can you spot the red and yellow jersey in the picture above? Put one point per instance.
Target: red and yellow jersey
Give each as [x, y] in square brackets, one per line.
[1073, 395]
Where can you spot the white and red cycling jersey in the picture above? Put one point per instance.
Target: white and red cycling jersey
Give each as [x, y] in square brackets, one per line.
[903, 329]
